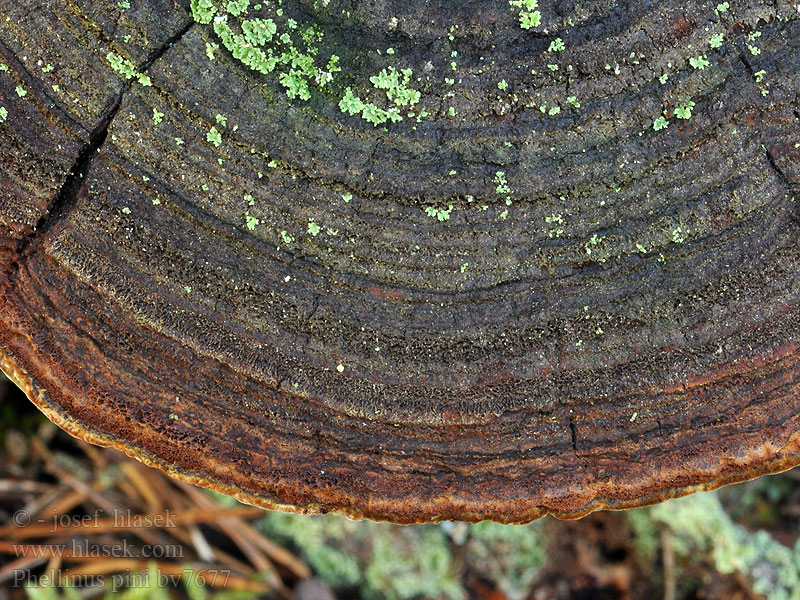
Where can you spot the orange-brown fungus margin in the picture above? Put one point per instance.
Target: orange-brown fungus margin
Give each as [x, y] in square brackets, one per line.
[608, 316]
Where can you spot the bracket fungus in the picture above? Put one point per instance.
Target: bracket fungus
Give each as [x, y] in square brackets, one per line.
[408, 260]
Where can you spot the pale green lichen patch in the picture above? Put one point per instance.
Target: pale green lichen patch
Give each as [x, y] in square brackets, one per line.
[529, 16]
[441, 214]
[127, 69]
[214, 137]
[263, 38]
[698, 62]
[684, 110]
[269, 43]
[395, 84]
[380, 560]
[501, 182]
[251, 221]
[203, 11]
[660, 123]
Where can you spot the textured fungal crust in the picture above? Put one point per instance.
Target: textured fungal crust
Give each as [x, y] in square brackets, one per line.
[408, 260]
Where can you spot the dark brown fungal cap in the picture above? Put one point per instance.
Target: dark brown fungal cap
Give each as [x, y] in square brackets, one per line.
[628, 331]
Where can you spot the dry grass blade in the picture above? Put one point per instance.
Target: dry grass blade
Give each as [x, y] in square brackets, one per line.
[15, 487]
[276, 553]
[136, 522]
[19, 565]
[213, 576]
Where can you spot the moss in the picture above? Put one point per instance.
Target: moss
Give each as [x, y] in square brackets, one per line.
[313, 537]
[418, 565]
[380, 560]
[509, 555]
[390, 562]
[701, 527]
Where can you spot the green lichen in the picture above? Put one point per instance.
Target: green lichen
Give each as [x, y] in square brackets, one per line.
[127, 69]
[529, 16]
[379, 560]
[660, 123]
[251, 221]
[238, 7]
[440, 214]
[395, 84]
[557, 45]
[203, 10]
[509, 555]
[684, 110]
[211, 50]
[698, 62]
[500, 180]
[699, 525]
[269, 44]
[214, 137]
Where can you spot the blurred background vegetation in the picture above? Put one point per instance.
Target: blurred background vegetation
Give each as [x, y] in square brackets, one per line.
[738, 542]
